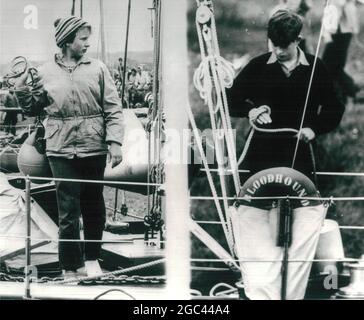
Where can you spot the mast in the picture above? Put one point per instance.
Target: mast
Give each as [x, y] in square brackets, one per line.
[73, 8]
[174, 97]
[125, 54]
[102, 32]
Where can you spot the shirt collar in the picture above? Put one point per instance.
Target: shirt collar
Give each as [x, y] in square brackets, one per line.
[301, 58]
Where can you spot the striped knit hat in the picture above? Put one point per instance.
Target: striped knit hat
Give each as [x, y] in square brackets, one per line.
[66, 26]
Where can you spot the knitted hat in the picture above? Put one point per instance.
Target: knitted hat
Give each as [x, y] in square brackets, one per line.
[66, 26]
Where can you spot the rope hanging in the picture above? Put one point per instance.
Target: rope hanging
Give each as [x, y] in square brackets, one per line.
[211, 78]
[255, 128]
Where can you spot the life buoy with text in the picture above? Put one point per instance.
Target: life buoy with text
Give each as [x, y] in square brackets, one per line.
[278, 182]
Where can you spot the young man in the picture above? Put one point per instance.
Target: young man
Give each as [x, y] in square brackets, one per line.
[271, 91]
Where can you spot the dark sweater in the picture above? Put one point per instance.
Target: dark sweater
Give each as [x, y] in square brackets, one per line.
[259, 84]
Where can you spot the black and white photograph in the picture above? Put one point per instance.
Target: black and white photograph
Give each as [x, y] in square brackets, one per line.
[200, 151]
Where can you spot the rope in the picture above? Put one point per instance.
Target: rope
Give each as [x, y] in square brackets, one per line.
[223, 76]
[343, 260]
[254, 128]
[208, 222]
[195, 293]
[87, 181]
[351, 227]
[222, 72]
[195, 268]
[209, 178]
[111, 290]
[340, 227]
[281, 197]
[319, 173]
[215, 73]
[114, 273]
[345, 174]
[309, 85]
[219, 285]
[278, 130]
[19, 125]
[67, 240]
[225, 68]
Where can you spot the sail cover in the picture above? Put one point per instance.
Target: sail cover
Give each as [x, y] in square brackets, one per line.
[13, 223]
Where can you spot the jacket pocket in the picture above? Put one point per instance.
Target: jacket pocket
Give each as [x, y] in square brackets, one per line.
[51, 131]
[97, 128]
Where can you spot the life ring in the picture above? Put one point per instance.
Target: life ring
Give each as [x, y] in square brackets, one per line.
[278, 182]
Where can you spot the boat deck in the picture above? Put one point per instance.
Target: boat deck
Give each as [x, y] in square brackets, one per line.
[51, 291]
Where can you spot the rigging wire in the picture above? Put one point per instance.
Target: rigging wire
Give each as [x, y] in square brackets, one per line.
[125, 54]
[211, 80]
[310, 84]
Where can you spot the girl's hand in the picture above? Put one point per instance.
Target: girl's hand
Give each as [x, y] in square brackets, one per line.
[115, 154]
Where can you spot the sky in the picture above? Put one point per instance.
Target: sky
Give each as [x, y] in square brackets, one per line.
[21, 35]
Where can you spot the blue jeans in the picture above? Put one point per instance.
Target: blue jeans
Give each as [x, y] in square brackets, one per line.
[75, 199]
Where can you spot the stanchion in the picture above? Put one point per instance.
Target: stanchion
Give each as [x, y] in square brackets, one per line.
[28, 237]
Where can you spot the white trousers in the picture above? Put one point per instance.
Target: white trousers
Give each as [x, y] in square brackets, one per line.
[255, 233]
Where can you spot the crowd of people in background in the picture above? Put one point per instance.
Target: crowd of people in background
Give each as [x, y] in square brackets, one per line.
[9, 118]
[139, 82]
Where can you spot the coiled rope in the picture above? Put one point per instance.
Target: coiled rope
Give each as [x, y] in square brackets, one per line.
[213, 75]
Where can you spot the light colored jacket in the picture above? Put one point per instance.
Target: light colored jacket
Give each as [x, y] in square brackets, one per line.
[82, 105]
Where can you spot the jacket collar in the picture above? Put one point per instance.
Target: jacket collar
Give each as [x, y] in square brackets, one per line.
[58, 58]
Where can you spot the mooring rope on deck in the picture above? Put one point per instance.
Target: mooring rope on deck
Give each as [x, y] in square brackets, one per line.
[114, 273]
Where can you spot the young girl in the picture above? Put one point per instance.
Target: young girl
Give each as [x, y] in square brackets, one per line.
[84, 116]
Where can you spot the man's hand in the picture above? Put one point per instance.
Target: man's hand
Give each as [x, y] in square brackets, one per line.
[307, 134]
[115, 154]
[260, 115]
